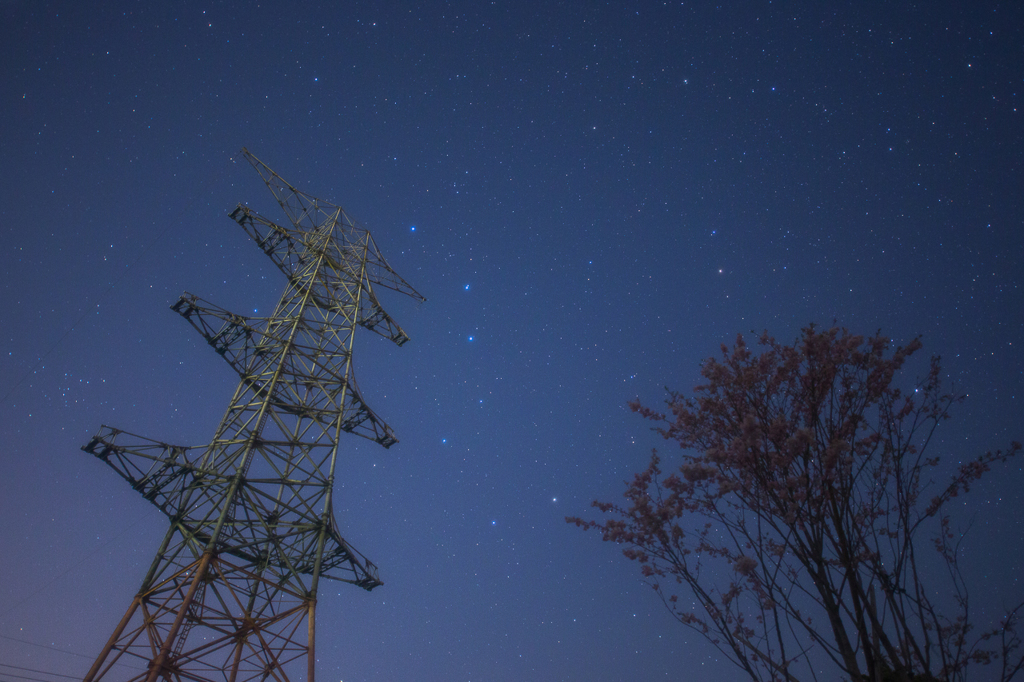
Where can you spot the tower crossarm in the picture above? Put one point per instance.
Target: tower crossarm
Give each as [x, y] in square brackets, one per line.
[379, 272]
[284, 246]
[289, 250]
[289, 559]
[160, 472]
[373, 317]
[353, 244]
[359, 419]
[321, 391]
[244, 346]
[343, 563]
[345, 277]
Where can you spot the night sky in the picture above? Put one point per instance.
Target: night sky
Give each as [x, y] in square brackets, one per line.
[593, 197]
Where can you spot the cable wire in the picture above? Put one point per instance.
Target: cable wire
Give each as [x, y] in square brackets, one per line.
[33, 670]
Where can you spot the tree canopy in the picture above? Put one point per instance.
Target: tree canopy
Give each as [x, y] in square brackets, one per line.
[804, 531]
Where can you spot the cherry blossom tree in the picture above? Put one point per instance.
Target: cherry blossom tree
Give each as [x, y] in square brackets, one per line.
[804, 532]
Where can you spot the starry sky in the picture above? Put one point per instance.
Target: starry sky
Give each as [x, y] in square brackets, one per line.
[592, 196]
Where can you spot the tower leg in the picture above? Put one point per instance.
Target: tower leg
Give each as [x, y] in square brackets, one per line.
[240, 644]
[158, 663]
[113, 640]
[311, 652]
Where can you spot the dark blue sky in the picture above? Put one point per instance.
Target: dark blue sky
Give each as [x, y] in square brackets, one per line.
[592, 197]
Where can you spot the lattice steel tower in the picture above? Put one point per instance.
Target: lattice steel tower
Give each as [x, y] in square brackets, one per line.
[231, 594]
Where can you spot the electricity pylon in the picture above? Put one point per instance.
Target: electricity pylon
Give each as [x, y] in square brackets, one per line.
[231, 594]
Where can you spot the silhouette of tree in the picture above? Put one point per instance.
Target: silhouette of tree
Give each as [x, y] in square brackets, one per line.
[795, 534]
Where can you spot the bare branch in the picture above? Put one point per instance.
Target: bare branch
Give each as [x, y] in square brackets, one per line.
[793, 520]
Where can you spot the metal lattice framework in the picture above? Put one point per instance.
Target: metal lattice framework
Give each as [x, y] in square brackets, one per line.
[231, 594]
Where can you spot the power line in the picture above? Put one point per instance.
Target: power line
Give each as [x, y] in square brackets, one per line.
[70, 568]
[44, 646]
[33, 670]
[26, 677]
[53, 648]
[63, 651]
